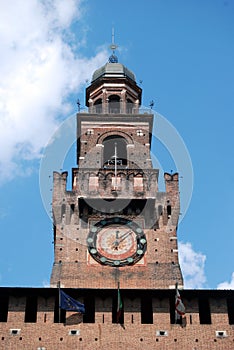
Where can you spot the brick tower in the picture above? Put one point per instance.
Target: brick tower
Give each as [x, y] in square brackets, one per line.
[115, 226]
[115, 229]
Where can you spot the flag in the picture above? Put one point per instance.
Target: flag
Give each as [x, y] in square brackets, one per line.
[119, 307]
[179, 306]
[70, 304]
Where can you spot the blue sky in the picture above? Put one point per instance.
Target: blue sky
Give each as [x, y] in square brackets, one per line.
[182, 51]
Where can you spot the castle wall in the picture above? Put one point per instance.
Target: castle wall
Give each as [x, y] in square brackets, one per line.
[149, 327]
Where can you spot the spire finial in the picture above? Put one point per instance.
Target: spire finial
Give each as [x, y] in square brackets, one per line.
[113, 58]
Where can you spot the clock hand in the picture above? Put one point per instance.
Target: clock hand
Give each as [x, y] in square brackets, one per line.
[117, 234]
[118, 240]
[125, 235]
[115, 244]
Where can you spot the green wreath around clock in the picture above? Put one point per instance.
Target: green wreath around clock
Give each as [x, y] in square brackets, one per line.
[116, 242]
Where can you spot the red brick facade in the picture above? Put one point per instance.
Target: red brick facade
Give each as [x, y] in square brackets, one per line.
[208, 324]
[128, 191]
[115, 227]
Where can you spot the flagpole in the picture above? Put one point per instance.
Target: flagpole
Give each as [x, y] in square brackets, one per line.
[176, 289]
[119, 306]
[117, 315]
[116, 168]
[179, 306]
[59, 301]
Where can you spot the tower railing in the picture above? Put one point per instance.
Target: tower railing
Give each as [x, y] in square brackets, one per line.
[101, 109]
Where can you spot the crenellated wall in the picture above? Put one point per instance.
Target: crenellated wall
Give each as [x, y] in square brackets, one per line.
[30, 319]
[94, 198]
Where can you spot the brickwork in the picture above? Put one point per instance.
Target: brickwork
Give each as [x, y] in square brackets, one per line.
[158, 217]
[113, 195]
[102, 190]
[93, 129]
[126, 187]
[113, 337]
[75, 333]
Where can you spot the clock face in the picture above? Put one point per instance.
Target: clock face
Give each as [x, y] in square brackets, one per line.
[116, 242]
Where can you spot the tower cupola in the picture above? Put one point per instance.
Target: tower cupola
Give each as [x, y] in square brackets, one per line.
[113, 89]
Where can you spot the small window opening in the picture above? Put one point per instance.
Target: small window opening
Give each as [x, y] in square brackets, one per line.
[221, 334]
[74, 332]
[161, 333]
[169, 210]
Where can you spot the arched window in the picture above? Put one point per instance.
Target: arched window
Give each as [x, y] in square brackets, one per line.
[114, 104]
[110, 142]
[129, 106]
[98, 106]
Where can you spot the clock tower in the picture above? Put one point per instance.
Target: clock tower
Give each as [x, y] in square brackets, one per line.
[115, 245]
[115, 226]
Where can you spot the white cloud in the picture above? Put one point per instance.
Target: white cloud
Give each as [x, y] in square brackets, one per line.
[227, 285]
[192, 264]
[45, 284]
[39, 69]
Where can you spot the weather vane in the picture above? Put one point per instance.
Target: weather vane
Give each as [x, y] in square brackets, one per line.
[113, 58]
[151, 104]
[78, 104]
